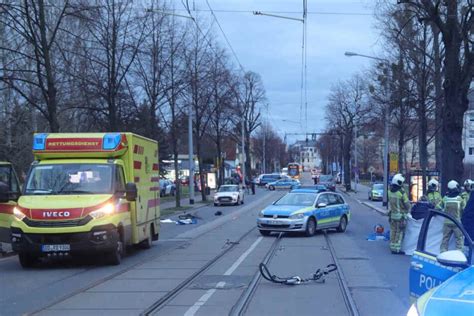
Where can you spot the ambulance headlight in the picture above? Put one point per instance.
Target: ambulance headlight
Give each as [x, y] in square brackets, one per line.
[105, 210]
[297, 216]
[18, 214]
[413, 311]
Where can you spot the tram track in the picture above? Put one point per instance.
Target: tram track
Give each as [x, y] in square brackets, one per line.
[240, 307]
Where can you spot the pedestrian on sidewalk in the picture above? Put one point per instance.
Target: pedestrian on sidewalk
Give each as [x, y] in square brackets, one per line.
[453, 204]
[253, 185]
[399, 206]
[433, 195]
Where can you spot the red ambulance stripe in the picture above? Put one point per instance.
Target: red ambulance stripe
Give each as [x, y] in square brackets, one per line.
[155, 166]
[135, 149]
[137, 165]
[154, 202]
[137, 179]
[6, 209]
[155, 179]
[155, 189]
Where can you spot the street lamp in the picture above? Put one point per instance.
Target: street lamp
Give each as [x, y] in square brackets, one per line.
[386, 131]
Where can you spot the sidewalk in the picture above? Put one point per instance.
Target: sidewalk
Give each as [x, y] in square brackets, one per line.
[362, 196]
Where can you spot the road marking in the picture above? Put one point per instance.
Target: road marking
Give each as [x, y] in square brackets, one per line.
[203, 299]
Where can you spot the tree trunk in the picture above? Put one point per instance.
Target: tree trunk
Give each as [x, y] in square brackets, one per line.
[456, 104]
[201, 175]
[438, 96]
[347, 159]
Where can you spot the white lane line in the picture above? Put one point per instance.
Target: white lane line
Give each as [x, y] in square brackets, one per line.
[203, 299]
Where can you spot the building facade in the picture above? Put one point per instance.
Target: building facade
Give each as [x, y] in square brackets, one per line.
[468, 133]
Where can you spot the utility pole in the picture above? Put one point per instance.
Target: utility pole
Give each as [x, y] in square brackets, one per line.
[356, 173]
[243, 151]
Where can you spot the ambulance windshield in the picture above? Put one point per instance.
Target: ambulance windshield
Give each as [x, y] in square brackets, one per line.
[62, 179]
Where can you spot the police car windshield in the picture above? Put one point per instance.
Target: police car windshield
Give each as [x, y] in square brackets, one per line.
[66, 179]
[378, 186]
[299, 199]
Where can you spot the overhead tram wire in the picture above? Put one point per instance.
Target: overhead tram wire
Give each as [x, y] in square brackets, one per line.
[284, 12]
[225, 37]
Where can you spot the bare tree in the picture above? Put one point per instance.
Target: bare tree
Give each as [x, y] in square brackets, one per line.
[454, 19]
[115, 32]
[346, 109]
[32, 44]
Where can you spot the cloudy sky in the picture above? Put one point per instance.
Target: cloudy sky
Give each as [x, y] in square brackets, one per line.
[272, 48]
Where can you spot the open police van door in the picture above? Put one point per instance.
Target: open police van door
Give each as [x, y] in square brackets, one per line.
[429, 265]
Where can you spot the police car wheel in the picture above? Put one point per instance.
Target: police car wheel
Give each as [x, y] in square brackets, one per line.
[342, 224]
[310, 227]
[265, 232]
[271, 188]
[27, 260]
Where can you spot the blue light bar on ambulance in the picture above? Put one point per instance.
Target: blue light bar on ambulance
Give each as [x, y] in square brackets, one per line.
[39, 141]
[111, 141]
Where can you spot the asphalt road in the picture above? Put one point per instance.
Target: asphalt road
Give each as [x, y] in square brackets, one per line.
[148, 277]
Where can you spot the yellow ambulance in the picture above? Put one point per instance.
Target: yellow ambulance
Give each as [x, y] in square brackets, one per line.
[88, 193]
[9, 193]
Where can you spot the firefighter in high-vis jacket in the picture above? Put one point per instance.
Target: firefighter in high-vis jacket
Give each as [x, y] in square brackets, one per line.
[453, 204]
[433, 195]
[399, 208]
[467, 190]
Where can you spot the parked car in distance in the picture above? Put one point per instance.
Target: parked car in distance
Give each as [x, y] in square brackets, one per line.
[286, 183]
[376, 192]
[229, 194]
[305, 210]
[328, 181]
[167, 187]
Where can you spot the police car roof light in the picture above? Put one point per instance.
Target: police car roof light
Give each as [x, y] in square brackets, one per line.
[111, 141]
[39, 141]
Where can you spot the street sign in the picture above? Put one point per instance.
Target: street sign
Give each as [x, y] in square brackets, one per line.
[393, 163]
[371, 169]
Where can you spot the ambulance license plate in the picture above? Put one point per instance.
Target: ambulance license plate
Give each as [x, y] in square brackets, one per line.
[54, 248]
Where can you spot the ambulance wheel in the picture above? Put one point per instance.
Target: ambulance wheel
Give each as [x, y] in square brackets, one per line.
[342, 224]
[115, 256]
[148, 242]
[310, 227]
[27, 260]
[265, 232]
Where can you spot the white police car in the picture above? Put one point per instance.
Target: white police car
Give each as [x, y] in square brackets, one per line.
[442, 283]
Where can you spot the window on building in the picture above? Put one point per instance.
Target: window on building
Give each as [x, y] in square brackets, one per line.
[471, 117]
[471, 151]
[471, 133]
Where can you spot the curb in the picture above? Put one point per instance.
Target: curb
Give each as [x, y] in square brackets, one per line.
[377, 209]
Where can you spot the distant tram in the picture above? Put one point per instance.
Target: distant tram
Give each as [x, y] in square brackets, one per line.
[294, 170]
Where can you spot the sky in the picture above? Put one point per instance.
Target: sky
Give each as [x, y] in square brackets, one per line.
[272, 47]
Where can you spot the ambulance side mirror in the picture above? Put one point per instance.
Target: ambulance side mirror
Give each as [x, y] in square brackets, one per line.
[4, 194]
[131, 192]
